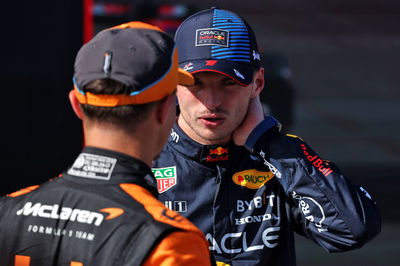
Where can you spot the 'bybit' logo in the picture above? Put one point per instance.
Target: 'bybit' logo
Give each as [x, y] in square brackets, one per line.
[252, 178]
[65, 213]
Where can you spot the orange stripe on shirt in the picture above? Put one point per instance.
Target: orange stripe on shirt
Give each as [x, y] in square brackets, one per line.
[23, 191]
[21, 260]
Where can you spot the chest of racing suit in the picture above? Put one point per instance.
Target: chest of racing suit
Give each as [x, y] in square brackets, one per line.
[248, 202]
[84, 217]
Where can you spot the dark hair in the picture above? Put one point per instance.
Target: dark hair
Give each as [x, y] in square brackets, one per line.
[125, 117]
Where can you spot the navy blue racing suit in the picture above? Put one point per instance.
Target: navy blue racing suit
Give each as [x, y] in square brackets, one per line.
[249, 200]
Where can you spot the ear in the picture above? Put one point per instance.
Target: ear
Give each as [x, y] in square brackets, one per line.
[165, 107]
[258, 82]
[75, 104]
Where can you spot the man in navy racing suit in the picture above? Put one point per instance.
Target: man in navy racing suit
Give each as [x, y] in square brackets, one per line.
[229, 170]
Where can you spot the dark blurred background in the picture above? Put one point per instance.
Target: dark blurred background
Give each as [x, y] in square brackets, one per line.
[332, 72]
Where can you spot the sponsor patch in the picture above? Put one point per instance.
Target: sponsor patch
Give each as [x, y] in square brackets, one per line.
[176, 205]
[174, 136]
[312, 211]
[321, 165]
[217, 155]
[238, 74]
[188, 66]
[93, 166]
[58, 212]
[211, 36]
[219, 151]
[166, 178]
[211, 62]
[256, 56]
[246, 242]
[252, 178]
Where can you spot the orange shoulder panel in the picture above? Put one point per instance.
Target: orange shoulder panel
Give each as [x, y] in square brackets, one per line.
[23, 191]
[21, 260]
[180, 248]
[157, 209]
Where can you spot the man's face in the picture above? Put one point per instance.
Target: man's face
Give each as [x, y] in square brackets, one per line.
[213, 107]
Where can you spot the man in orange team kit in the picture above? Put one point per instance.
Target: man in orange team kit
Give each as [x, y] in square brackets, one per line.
[102, 210]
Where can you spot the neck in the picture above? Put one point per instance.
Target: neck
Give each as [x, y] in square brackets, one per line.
[133, 144]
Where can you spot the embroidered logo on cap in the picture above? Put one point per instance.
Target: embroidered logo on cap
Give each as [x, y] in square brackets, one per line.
[188, 66]
[238, 74]
[256, 56]
[211, 36]
[211, 62]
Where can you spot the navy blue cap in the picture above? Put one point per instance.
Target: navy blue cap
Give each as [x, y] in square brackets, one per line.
[220, 41]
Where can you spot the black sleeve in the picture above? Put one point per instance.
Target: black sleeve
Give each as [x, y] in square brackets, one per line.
[325, 206]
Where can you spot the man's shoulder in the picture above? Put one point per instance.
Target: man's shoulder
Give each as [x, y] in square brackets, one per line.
[281, 145]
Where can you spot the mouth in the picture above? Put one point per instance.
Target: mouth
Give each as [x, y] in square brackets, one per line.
[212, 121]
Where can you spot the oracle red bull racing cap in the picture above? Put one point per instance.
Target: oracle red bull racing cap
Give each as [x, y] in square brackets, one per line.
[220, 41]
[139, 55]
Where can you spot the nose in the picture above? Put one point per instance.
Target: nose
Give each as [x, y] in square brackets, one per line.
[210, 97]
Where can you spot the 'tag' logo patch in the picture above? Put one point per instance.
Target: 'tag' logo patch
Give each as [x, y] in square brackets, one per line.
[252, 178]
[166, 178]
[211, 36]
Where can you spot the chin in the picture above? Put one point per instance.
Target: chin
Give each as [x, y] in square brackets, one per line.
[217, 138]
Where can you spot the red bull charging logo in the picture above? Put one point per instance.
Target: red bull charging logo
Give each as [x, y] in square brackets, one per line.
[218, 154]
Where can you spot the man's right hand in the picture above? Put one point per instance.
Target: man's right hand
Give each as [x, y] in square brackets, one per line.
[254, 116]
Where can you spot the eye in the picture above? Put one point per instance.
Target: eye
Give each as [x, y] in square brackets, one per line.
[228, 82]
[197, 84]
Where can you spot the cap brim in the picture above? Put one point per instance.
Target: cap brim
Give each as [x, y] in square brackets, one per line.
[241, 73]
[185, 78]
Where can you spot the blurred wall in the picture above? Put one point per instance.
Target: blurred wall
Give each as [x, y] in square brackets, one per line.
[38, 46]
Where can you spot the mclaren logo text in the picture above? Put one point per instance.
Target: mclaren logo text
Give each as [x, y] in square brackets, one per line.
[68, 214]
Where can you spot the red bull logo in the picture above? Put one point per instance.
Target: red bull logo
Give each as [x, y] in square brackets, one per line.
[217, 155]
[317, 162]
[219, 151]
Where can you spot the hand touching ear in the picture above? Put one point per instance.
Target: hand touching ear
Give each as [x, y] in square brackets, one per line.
[254, 116]
[255, 112]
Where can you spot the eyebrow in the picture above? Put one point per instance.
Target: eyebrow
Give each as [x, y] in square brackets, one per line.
[223, 79]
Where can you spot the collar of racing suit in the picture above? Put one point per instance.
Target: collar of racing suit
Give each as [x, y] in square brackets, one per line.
[205, 154]
[97, 166]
